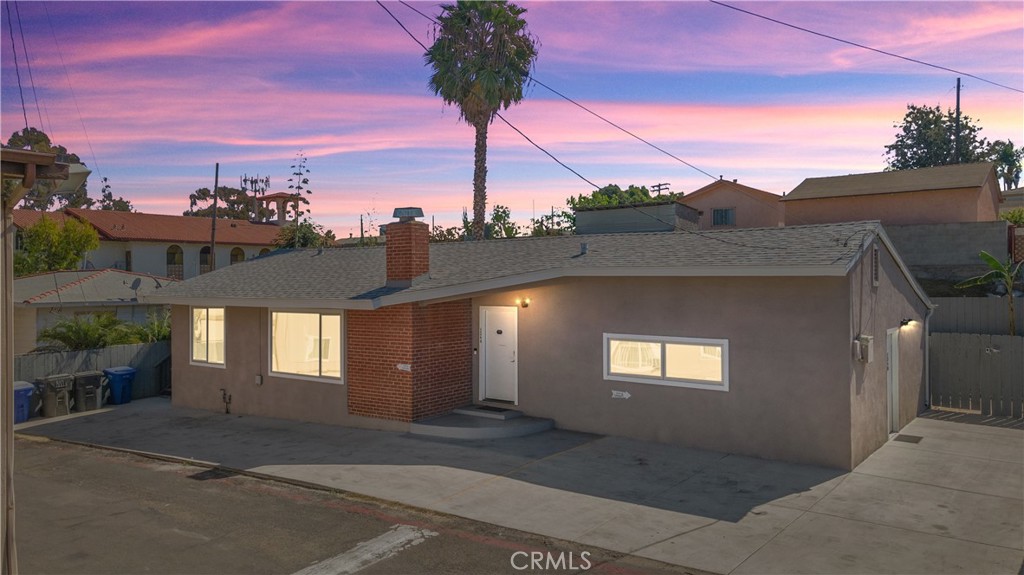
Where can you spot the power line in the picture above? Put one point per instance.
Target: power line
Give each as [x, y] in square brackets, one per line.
[28, 64]
[17, 69]
[550, 155]
[862, 46]
[586, 109]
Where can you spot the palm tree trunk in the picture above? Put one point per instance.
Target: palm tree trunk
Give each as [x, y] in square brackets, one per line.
[480, 180]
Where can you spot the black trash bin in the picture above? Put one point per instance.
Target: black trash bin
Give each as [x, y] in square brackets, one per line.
[88, 390]
[56, 393]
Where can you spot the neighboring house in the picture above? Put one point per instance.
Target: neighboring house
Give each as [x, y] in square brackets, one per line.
[1013, 200]
[768, 342]
[163, 245]
[664, 216]
[41, 300]
[938, 218]
[939, 195]
[728, 204]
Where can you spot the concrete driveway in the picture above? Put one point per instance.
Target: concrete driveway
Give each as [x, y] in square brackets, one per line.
[945, 497]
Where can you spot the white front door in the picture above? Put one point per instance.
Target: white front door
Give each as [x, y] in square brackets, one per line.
[892, 368]
[499, 344]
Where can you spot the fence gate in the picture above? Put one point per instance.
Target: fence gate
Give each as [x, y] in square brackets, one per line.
[980, 373]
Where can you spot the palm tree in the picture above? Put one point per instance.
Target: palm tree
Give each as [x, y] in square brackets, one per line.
[481, 60]
[1005, 274]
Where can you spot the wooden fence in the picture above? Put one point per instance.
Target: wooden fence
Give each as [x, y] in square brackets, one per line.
[975, 315]
[977, 372]
[152, 360]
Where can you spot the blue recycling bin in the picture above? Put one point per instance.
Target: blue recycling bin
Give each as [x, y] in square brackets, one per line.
[119, 380]
[23, 391]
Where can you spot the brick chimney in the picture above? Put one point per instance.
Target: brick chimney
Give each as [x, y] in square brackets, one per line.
[408, 247]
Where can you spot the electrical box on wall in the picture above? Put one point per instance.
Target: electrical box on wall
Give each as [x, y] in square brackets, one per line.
[863, 348]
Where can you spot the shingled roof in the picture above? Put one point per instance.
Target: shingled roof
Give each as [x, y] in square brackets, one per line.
[106, 287]
[135, 226]
[354, 278]
[920, 180]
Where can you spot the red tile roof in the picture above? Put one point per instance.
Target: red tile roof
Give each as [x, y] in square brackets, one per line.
[28, 218]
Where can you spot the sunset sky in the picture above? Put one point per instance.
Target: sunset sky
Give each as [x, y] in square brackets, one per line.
[152, 94]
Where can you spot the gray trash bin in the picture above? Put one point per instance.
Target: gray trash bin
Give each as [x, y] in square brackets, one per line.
[56, 393]
[88, 390]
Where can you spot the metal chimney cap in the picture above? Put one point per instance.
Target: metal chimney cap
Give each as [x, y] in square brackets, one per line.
[407, 214]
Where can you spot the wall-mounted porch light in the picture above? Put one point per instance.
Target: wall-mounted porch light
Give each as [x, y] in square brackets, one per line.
[906, 321]
[523, 302]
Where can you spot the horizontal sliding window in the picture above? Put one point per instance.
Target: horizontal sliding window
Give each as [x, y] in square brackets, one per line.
[307, 344]
[208, 335]
[677, 361]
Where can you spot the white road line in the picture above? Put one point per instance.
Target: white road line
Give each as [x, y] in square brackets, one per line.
[389, 544]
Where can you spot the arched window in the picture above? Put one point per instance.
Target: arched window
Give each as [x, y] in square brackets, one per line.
[205, 260]
[264, 251]
[237, 255]
[175, 263]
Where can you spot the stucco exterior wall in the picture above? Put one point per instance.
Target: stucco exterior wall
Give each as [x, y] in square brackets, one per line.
[930, 207]
[789, 365]
[24, 330]
[246, 357]
[876, 310]
[151, 257]
[751, 212]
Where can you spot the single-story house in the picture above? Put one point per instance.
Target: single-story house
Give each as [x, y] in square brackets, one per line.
[938, 195]
[770, 342]
[730, 204]
[160, 244]
[660, 216]
[41, 300]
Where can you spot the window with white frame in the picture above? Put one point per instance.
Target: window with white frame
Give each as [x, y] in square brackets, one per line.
[676, 361]
[306, 343]
[208, 335]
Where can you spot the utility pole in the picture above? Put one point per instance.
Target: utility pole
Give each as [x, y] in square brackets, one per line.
[956, 135]
[213, 225]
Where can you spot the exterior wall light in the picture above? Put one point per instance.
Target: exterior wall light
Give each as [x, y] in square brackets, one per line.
[906, 321]
[523, 302]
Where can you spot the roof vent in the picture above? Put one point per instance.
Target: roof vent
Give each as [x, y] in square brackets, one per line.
[407, 214]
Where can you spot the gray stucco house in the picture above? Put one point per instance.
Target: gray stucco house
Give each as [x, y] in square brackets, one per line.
[802, 343]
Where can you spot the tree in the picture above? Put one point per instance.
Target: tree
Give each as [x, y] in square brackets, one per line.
[43, 195]
[1008, 162]
[501, 224]
[1003, 274]
[481, 59]
[300, 181]
[1014, 216]
[304, 234]
[613, 195]
[232, 204]
[108, 202]
[47, 247]
[928, 137]
[88, 331]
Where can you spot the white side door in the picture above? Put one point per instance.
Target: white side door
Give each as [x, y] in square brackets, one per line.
[499, 344]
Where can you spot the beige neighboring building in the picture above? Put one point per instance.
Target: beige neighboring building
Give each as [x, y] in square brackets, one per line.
[771, 342]
[727, 204]
[162, 245]
[938, 195]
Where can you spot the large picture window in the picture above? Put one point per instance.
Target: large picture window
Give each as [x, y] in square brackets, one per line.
[208, 335]
[677, 361]
[307, 344]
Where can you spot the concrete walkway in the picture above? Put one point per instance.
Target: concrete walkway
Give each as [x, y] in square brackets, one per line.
[953, 502]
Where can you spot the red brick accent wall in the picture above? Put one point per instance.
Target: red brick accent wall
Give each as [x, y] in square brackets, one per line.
[408, 250]
[435, 340]
[442, 358]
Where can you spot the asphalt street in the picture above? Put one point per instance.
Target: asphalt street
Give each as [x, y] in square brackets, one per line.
[82, 510]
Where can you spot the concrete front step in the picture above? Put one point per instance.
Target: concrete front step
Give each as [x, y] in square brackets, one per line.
[462, 426]
[488, 411]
